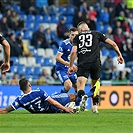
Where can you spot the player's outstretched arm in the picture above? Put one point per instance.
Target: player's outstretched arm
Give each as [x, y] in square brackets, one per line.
[58, 105]
[6, 65]
[6, 110]
[114, 45]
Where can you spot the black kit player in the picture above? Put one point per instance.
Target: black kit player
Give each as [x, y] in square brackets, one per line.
[87, 47]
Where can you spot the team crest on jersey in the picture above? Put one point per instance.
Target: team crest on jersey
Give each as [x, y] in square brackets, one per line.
[84, 50]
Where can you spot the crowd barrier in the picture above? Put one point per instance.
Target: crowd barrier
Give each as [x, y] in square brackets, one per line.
[111, 97]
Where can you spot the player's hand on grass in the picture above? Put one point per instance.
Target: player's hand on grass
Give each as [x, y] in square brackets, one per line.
[69, 110]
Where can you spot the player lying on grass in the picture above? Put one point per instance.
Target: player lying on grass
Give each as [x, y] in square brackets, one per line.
[38, 101]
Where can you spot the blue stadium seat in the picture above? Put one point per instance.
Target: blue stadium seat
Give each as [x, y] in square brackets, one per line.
[37, 70]
[47, 62]
[21, 70]
[15, 60]
[38, 18]
[29, 25]
[70, 11]
[27, 34]
[35, 77]
[46, 19]
[13, 69]
[54, 19]
[105, 52]
[30, 18]
[39, 60]
[34, 51]
[112, 53]
[29, 70]
[69, 20]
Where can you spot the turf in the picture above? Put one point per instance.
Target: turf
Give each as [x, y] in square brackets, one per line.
[107, 121]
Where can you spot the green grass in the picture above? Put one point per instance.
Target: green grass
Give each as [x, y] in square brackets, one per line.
[107, 121]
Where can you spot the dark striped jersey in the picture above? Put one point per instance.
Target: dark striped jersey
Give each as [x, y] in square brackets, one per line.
[88, 48]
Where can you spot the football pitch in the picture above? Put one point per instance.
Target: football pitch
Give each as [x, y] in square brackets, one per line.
[107, 121]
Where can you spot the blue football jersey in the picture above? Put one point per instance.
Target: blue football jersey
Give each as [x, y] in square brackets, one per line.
[64, 48]
[35, 101]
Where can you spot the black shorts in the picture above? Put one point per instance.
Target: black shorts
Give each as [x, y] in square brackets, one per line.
[93, 68]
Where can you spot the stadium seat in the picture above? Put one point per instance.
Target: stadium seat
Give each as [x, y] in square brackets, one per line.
[39, 60]
[13, 69]
[22, 60]
[15, 60]
[41, 52]
[112, 53]
[31, 61]
[38, 18]
[29, 70]
[70, 11]
[33, 50]
[69, 20]
[49, 52]
[37, 70]
[30, 18]
[105, 52]
[47, 62]
[53, 27]
[23, 16]
[48, 69]
[46, 19]
[27, 34]
[54, 19]
[29, 25]
[21, 70]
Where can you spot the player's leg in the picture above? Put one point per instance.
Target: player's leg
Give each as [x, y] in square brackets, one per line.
[95, 76]
[64, 79]
[73, 78]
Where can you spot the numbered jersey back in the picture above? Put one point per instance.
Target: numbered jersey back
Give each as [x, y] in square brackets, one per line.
[88, 46]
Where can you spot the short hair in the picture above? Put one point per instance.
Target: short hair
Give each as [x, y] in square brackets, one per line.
[80, 23]
[73, 29]
[23, 83]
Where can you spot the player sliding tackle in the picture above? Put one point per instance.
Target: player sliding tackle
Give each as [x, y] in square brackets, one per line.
[38, 101]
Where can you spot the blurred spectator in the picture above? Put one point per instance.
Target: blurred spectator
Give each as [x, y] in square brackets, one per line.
[84, 8]
[15, 79]
[4, 29]
[77, 4]
[116, 26]
[91, 24]
[15, 48]
[120, 71]
[3, 79]
[48, 78]
[62, 30]
[126, 26]
[49, 39]
[38, 39]
[127, 50]
[107, 69]
[92, 14]
[121, 6]
[121, 17]
[78, 17]
[28, 6]
[119, 38]
[130, 19]
[53, 74]
[25, 51]
[109, 35]
[105, 16]
[17, 22]
[111, 15]
[40, 80]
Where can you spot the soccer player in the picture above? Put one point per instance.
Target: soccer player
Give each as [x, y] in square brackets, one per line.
[6, 47]
[86, 46]
[38, 101]
[62, 62]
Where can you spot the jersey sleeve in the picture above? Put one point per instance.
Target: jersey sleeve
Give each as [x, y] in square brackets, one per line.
[61, 47]
[16, 104]
[102, 37]
[44, 94]
[1, 39]
[75, 41]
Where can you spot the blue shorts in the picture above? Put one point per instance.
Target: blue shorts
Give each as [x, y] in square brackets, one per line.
[62, 98]
[63, 76]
